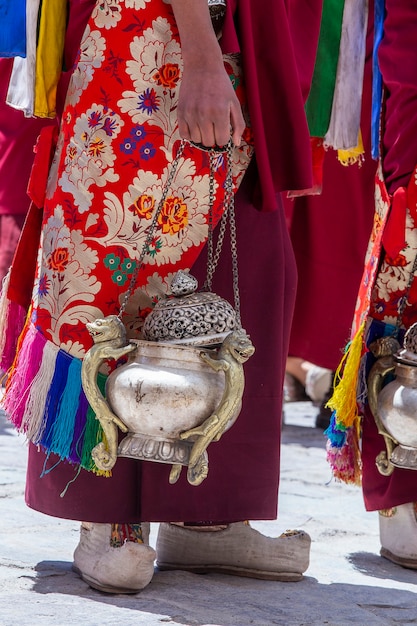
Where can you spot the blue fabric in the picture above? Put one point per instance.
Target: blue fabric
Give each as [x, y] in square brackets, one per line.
[379, 16]
[12, 28]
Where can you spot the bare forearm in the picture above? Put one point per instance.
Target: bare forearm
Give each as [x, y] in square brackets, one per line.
[208, 109]
[199, 43]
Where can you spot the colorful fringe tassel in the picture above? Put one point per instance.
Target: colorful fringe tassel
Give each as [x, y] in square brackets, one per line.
[344, 431]
[346, 461]
[44, 399]
[344, 399]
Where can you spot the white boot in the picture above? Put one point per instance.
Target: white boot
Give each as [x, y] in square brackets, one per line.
[238, 549]
[318, 383]
[398, 535]
[126, 569]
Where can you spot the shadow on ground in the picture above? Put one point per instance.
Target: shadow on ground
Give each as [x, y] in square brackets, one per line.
[196, 600]
[307, 437]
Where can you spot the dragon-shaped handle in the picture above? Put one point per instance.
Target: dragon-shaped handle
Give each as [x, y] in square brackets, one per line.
[235, 350]
[383, 349]
[109, 336]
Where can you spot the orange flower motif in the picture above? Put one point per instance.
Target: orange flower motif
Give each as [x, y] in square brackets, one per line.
[143, 313]
[96, 147]
[72, 153]
[168, 75]
[144, 206]
[174, 215]
[58, 259]
[398, 261]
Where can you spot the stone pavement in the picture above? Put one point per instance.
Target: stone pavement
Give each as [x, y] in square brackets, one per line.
[347, 582]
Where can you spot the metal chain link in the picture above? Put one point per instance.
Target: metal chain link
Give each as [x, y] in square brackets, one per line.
[228, 215]
[233, 239]
[152, 228]
[212, 255]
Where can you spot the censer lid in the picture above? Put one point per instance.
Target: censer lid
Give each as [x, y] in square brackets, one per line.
[190, 317]
[409, 353]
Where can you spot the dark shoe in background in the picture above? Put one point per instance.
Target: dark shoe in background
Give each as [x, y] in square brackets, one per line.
[294, 390]
[324, 415]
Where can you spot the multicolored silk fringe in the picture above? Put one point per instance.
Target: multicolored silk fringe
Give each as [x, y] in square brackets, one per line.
[45, 401]
[344, 431]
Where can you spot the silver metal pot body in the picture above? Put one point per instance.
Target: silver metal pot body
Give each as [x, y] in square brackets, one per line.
[163, 390]
[397, 405]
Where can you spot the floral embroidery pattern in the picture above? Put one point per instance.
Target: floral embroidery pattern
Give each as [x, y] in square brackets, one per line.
[90, 57]
[90, 156]
[389, 275]
[123, 270]
[117, 142]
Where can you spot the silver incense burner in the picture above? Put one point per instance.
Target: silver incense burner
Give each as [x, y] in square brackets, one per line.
[394, 405]
[181, 387]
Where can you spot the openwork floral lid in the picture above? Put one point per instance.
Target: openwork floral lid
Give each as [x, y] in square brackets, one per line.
[188, 317]
[409, 352]
[217, 10]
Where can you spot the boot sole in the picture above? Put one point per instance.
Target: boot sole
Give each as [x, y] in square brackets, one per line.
[95, 584]
[398, 560]
[233, 571]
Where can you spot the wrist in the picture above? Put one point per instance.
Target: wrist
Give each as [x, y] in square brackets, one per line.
[202, 62]
[199, 44]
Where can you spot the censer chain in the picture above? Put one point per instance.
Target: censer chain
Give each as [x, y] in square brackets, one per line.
[212, 255]
[152, 228]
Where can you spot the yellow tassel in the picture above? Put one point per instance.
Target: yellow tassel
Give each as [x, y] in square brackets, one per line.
[344, 398]
[99, 472]
[353, 155]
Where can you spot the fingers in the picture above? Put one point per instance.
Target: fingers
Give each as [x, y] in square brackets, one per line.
[203, 128]
[214, 130]
[238, 124]
[183, 128]
[208, 111]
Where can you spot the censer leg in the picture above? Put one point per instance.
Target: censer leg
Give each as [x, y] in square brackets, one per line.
[198, 471]
[175, 473]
